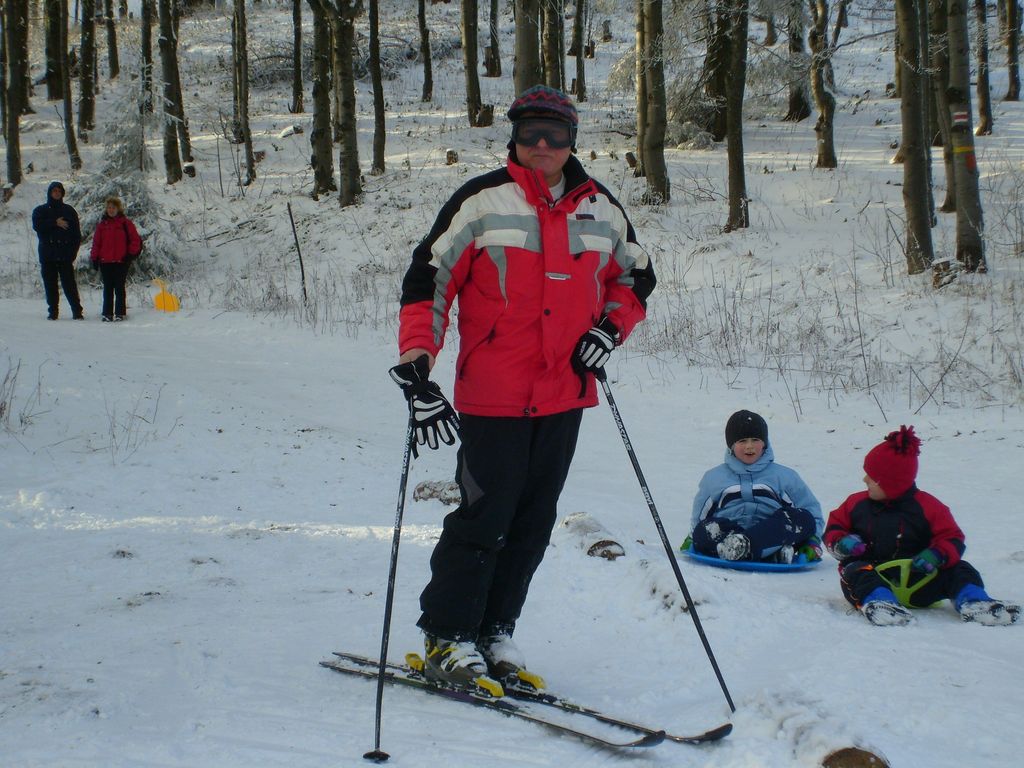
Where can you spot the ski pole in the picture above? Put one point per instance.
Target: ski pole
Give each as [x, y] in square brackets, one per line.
[603, 378]
[377, 755]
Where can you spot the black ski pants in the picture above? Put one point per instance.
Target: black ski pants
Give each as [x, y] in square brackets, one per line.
[62, 270]
[858, 579]
[114, 275]
[510, 472]
[786, 525]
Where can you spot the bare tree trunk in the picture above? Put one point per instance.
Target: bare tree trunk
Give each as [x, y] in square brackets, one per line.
[716, 71]
[65, 78]
[970, 246]
[739, 213]
[799, 100]
[985, 119]
[919, 251]
[15, 28]
[579, 49]
[527, 71]
[492, 55]
[641, 89]
[379, 128]
[343, 23]
[24, 52]
[54, 72]
[181, 122]
[296, 106]
[821, 85]
[939, 56]
[87, 71]
[428, 68]
[1013, 50]
[3, 69]
[320, 135]
[240, 59]
[146, 30]
[551, 44]
[658, 185]
[470, 37]
[113, 63]
[168, 65]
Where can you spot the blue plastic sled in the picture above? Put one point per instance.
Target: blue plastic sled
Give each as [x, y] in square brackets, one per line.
[799, 564]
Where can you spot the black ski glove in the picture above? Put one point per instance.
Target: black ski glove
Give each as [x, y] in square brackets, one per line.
[595, 347]
[432, 415]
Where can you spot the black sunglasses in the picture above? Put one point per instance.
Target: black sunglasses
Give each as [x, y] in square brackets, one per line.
[530, 130]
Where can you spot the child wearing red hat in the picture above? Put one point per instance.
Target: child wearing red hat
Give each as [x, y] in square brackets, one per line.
[893, 519]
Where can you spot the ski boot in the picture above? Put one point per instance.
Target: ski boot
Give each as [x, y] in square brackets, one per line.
[506, 662]
[458, 665]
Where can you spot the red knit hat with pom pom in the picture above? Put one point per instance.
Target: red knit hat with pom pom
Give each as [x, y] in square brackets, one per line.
[893, 462]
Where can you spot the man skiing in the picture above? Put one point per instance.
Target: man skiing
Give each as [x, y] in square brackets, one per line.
[549, 280]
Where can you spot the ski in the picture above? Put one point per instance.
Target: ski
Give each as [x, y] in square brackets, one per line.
[400, 675]
[557, 702]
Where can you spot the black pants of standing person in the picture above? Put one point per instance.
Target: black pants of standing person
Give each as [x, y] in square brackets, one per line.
[511, 472]
[62, 271]
[114, 275]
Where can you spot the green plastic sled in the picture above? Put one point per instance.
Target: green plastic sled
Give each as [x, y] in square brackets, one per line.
[900, 581]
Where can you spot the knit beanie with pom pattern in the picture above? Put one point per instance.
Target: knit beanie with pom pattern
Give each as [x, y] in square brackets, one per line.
[893, 462]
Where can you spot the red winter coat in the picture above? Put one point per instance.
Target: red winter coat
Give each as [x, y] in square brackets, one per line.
[531, 276]
[115, 240]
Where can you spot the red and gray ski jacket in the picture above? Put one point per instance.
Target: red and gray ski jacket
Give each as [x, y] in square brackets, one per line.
[897, 528]
[115, 240]
[531, 276]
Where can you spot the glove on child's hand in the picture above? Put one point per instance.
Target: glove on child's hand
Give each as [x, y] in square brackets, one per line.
[851, 545]
[810, 549]
[928, 560]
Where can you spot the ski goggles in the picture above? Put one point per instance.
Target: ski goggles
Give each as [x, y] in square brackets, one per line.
[556, 133]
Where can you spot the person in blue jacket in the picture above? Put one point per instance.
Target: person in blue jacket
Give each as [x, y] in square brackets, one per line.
[750, 507]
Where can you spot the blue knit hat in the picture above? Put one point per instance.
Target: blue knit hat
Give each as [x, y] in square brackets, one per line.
[544, 100]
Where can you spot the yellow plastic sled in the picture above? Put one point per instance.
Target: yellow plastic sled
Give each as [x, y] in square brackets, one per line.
[165, 301]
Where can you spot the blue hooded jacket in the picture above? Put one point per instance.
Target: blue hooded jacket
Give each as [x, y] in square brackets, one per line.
[748, 493]
[55, 242]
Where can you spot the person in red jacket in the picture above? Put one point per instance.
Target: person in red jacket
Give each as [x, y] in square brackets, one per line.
[892, 520]
[115, 243]
[549, 279]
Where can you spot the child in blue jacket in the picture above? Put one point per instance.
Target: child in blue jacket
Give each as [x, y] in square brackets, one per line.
[750, 508]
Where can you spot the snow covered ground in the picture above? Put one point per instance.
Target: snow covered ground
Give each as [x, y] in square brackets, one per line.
[196, 508]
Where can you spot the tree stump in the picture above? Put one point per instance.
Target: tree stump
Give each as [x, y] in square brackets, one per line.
[606, 30]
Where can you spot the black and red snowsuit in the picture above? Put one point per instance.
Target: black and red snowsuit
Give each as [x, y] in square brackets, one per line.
[896, 529]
